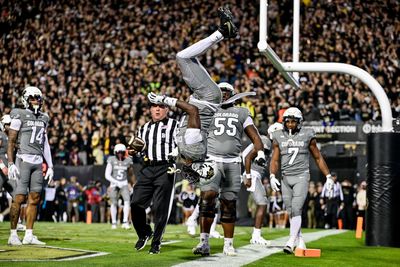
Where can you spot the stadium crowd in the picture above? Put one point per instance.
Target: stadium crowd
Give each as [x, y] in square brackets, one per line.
[95, 62]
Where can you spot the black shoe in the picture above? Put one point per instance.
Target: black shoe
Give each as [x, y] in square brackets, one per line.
[189, 174]
[141, 243]
[155, 249]
[227, 27]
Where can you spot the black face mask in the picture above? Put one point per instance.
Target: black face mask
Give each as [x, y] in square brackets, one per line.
[120, 155]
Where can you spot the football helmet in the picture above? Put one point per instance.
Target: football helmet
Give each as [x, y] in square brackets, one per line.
[32, 93]
[274, 127]
[227, 90]
[293, 113]
[5, 120]
[119, 151]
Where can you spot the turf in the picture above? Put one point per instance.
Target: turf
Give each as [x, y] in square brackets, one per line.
[339, 250]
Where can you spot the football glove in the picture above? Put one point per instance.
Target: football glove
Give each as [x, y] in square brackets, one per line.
[162, 99]
[13, 172]
[274, 182]
[49, 175]
[329, 183]
[260, 159]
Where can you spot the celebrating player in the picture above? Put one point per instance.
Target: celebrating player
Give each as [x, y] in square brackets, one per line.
[292, 147]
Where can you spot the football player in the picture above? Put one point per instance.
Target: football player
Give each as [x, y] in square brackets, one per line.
[28, 132]
[119, 168]
[292, 147]
[224, 145]
[9, 185]
[204, 101]
[256, 187]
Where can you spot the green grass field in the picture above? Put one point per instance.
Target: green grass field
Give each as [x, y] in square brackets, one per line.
[337, 250]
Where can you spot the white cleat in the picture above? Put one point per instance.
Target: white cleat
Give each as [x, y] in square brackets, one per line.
[13, 240]
[215, 234]
[126, 226]
[259, 240]
[191, 230]
[21, 227]
[288, 249]
[113, 226]
[32, 240]
[230, 251]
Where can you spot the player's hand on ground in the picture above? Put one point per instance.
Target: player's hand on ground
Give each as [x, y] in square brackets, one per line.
[13, 172]
[274, 183]
[49, 175]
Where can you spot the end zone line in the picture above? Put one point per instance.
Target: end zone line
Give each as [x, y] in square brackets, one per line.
[250, 253]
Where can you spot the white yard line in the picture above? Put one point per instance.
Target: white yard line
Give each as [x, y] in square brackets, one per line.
[251, 253]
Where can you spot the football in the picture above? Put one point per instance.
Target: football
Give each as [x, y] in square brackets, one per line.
[136, 143]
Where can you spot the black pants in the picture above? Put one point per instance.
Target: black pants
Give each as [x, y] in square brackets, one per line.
[153, 183]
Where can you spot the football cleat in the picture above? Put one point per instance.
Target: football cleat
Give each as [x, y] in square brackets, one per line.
[289, 247]
[227, 27]
[141, 243]
[215, 234]
[259, 240]
[189, 174]
[126, 226]
[229, 251]
[32, 240]
[114, 226]
[202, 249]
[13, 240]
[300, 243]
[205, 169]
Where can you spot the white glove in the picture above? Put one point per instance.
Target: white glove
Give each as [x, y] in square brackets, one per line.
[274, 182]
[49, 175]
[174, 153]
[162, 99]
[329, 183]
[13, 172]
[260, 159]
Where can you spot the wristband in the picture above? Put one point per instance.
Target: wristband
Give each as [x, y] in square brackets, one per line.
[329, 176]
[170, 101]
[261, 153]
[272, 176]
[248, 176]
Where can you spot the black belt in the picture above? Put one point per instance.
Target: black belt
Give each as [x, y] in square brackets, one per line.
[155, 162]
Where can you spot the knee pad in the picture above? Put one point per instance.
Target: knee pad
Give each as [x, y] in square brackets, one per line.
[207, 208]
[228, 210]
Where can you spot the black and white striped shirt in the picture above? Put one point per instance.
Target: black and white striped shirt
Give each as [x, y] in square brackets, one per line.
[160, 138]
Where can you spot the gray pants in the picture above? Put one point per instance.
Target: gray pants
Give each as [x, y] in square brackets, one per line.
[226, 181]
[31, 177]
[116, 191]
[294, 193]
[259, 194]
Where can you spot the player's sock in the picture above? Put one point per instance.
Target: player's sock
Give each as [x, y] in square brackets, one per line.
[126, 211]
[228, 242]
[13, 232]
[28, 232]
[113, 214]
[204, 238]
[256, 232]
[295, 225]
[195, 214]
[201, 46]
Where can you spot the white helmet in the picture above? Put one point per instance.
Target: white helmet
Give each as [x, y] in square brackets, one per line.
[32, 92]
[224, 86]
[119, 148]
[293, 113]
[274, 127]
[6, 119]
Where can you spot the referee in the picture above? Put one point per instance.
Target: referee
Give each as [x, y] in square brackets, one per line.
[154, 184]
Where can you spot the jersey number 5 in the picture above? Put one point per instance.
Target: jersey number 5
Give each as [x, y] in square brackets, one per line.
[231, 128]
[36, 136]
[294, 151]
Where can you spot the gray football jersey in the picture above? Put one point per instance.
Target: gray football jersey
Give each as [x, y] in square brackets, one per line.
[120, 168]
[225, 132]
[205, 112]
[31, 135]
[294, 150]
[4, 143]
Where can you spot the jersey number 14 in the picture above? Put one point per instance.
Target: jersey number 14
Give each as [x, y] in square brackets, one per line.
[36, 135]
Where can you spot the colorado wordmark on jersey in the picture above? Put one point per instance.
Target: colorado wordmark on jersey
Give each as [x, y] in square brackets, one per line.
[120, 167]
[32, 131]
[226, 130]
[294, 150]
